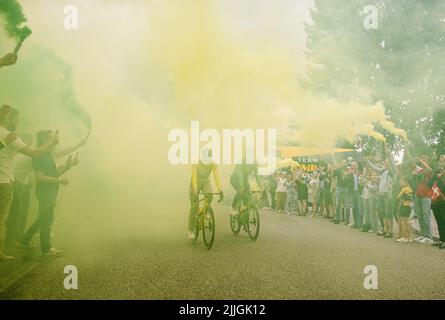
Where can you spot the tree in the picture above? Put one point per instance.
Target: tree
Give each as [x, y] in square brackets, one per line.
[400, 63]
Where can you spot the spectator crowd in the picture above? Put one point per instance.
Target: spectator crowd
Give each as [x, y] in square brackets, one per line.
[371, 195]
[27, 166]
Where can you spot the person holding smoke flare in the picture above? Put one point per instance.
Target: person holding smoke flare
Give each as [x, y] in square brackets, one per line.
[49, 177]
[4, 113]
[22, 191]
[8, 125]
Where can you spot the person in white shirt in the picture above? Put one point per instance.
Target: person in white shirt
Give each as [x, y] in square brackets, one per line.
[8, 124]
[281, 192]
[18, 213]
[12, 136]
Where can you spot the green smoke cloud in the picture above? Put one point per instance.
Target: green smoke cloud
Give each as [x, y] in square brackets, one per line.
[42, 88]
[69, 99]
[14, 18]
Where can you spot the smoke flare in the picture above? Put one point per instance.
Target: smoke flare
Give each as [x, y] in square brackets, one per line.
[12, 13]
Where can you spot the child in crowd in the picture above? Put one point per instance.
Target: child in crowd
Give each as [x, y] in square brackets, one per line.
[405, 202]
[281, 192]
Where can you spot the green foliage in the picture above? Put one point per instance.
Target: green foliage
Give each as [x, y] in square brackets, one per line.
[400, 63]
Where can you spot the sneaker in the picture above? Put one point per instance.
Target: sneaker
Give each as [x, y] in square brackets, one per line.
[426, 241]
[418, 239]
[387, 235]
[437, 244]
[404, 240]
[53, 253]
[5, 258]
[380, 233]
[191, 235]
[401, 240]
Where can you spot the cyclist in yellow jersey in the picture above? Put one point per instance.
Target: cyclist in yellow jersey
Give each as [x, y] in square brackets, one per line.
[200, 181]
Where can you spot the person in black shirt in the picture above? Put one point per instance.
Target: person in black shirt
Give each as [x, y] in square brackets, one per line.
[437, 183]
[48, 179]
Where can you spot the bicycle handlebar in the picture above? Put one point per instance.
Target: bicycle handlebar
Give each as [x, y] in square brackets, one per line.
[212, 193]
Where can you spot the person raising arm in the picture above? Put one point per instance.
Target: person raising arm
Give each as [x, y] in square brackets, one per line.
[8, 127]
[4, 112]
[11, 137]
[48, 179]
[71, 149]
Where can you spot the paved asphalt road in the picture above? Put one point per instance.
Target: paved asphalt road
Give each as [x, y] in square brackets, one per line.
[294, 258]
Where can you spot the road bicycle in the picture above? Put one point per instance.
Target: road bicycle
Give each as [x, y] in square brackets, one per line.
[205, 220]
[248, 218]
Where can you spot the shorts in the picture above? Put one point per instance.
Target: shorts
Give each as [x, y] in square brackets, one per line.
[303, 194]
[404, 211]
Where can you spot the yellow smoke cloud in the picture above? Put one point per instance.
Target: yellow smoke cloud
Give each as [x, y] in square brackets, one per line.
[223, 82]
[142, 68]
[321, 121]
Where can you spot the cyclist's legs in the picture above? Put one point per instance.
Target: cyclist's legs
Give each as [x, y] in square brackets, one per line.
[246, 195]
[237, 198]
[194, 202]
[206, 188]
[246, 200]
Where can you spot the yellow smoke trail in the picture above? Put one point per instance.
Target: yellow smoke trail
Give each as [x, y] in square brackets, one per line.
[215, 78]
[157, 65]
[321, 121]
[224, 83]
[377, 112]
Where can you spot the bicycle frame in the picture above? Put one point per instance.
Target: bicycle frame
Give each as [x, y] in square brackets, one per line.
[199, 214]
[243, 219]
[251, 203]
[204, 209]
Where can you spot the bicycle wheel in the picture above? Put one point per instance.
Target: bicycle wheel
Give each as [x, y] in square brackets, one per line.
[208, 231]
[235, 223]
[253, 223]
